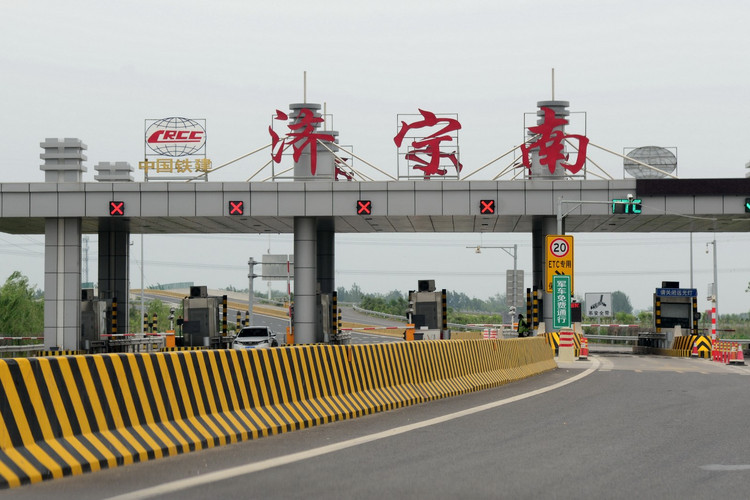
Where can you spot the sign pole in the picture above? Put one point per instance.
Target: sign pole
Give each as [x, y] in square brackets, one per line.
[251, 293]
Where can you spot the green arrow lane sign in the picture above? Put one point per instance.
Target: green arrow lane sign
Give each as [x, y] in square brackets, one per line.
[747, 204]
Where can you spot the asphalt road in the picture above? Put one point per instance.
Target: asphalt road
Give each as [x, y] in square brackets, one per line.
[616, 426]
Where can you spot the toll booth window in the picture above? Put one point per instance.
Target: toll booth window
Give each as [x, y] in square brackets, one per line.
[428, 311]
[675, 314]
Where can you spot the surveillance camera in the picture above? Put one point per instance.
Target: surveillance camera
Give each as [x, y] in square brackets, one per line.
[630, 196]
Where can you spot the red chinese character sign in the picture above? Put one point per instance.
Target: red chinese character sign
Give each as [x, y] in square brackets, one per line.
[425, 149]
[549, 143]
[303, 136]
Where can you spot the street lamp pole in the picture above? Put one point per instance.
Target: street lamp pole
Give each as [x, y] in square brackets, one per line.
[714, 291]
[507, 249]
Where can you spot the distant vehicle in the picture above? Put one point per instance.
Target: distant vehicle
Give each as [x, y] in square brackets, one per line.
[255, 337]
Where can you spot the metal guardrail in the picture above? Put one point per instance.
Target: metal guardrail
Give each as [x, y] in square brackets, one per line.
[399, 318]
[19, 348]
[22, 348]
[624, 338]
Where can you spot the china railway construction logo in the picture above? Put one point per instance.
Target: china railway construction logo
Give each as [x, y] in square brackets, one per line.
[175, 136]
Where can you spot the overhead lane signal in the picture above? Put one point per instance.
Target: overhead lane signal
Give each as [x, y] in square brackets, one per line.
[487, 207]
[364, 207]
[236, 207]
[116, 208]
[626, 206]
[747, 205]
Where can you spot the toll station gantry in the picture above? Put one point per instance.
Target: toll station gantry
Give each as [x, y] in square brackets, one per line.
[315, 203]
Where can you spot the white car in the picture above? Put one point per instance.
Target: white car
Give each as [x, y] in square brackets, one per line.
[255, 337]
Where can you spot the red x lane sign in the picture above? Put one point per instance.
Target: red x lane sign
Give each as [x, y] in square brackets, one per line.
[236, 207]
[487, 207]
[116, 208]
[364, 207]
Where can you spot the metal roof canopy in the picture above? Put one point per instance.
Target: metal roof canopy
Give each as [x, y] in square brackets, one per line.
[668, 205]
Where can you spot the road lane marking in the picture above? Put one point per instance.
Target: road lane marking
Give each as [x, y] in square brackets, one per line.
[607, 364]
[223, 475]
[721, 467]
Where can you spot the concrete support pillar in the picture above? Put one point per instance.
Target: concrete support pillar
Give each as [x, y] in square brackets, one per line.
[326, 256]
[537, 253]
[305, 281]
[63, 164]
[541, 227]
[62, 283]
[114, 278]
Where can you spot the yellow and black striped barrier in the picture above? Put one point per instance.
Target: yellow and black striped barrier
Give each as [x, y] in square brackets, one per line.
[58, 353]
[703, 343]
[682, 347]
[73, 414]
[553, 339]
[183, 348]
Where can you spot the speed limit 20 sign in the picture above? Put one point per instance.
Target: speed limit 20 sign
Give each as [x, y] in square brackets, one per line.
[559, 259]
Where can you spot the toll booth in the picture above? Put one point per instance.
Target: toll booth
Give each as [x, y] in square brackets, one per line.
[675, 313]
[94, 321]
[428, 311]
[201, 326]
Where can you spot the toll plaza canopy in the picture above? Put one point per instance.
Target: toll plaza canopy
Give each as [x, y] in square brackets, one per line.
[666, 205]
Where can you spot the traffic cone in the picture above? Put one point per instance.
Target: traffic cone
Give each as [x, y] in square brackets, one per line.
[740, 356]
[695, 350]
[584, 354]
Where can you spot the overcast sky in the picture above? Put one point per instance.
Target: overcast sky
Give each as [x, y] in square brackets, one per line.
[671, 73]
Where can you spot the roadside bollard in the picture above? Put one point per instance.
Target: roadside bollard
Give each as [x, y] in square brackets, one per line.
[584, 354]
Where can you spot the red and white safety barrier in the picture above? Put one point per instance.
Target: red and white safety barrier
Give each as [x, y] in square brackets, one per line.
[509, 325]
[489, 333]
[489, 325]
[567, 339]
[373, 328]
[713, 324]
[108, 335]
[605, 324]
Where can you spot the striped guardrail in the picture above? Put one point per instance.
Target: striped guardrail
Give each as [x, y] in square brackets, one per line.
[72, 414]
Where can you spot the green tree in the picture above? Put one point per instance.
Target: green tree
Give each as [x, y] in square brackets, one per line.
[395, 304]
[354, 295]
[624, 318]
[621, 303]
[646, 318]
[154, 306]
[21, 310]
